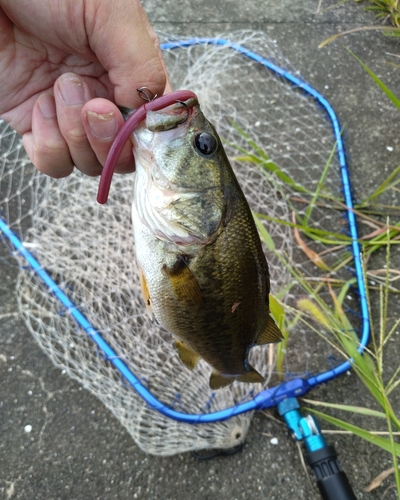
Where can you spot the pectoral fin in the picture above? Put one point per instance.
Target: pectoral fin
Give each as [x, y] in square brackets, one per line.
[188, 357]
[271, 333]
[145, 293]
[183, 282]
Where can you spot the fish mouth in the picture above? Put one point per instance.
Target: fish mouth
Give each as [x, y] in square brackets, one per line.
[177, 98]
[170, 117]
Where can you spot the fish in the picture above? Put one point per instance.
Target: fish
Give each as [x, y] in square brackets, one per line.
[203, 272]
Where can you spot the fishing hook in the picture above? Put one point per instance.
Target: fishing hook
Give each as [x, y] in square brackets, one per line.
[187, 115]
[143, 92]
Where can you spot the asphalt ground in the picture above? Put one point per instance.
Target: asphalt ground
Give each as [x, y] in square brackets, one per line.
[76, 448]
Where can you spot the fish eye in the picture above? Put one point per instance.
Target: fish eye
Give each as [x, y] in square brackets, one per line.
[205, 143]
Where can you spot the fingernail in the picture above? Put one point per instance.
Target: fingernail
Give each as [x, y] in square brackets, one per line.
[72, 91]
[103, 126]
[47, 105]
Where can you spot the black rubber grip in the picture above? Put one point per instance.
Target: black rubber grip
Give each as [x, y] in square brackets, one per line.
[332, 481]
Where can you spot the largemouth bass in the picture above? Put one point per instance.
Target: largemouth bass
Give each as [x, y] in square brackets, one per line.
[204, 275]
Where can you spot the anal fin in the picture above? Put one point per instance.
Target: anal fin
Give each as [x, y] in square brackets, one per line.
[271, 333]
[188, 357]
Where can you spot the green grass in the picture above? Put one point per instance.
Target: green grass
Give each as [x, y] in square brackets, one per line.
[370, 367]
[313, 311]
[387, 12]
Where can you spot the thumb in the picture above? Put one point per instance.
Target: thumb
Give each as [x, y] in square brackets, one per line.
[121, 37]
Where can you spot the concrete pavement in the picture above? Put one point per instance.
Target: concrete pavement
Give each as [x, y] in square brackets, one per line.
[76, 449]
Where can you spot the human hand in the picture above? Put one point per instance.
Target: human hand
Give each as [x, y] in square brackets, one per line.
[64, 66]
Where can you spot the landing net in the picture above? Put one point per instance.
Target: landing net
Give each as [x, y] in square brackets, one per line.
[280, 135]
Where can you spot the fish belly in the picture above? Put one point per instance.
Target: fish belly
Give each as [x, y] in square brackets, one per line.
[223, 323]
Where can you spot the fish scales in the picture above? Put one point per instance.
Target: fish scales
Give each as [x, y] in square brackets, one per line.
[203, 271]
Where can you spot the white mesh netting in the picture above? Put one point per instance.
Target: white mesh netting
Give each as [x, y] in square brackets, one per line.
[88, 249]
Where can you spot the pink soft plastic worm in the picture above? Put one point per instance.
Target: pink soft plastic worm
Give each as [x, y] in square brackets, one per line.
[123, 135]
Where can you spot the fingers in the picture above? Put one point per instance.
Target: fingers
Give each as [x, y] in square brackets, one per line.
[45, 144]
[99, 117]
[119, 37]
[71, 93]
[156, 43]
[73, 129]
[58, 141]
[70, 129]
